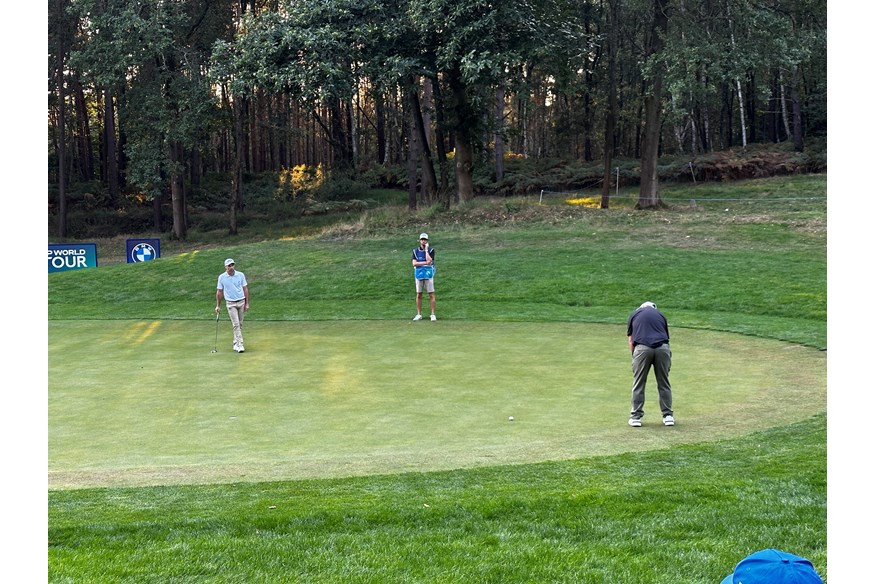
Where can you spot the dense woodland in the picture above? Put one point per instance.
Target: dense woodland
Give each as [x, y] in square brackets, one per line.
[148, 98]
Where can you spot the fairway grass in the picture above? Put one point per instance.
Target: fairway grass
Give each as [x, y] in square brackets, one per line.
[135, 403]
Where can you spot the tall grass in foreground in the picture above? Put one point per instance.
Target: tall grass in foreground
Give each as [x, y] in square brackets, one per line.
[682, 515]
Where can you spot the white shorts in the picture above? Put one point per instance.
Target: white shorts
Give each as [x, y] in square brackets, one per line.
[429, 285]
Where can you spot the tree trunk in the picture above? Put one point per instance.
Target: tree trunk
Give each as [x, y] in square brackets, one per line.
[429, 179]
[157, 218]
[341, 157]
[464, 166]
[463, 123]
[640, 115]
[238, 112]
[523, 112]
[648, 185]
[83, 138]
[109, 124]
[796, 114]
[254, 134]
[62, 156]
[742, 125]
[739, 96]
[440, 145]
[426, 110]
[588, 117]
[784, 103]
[413, 150]
[499, 143]
[352, 133]
[679, 130]
[177, 192]
[694, 132]
[705, 126]
[649, 195]
[121, 145]
[611, 110]
[380, 127]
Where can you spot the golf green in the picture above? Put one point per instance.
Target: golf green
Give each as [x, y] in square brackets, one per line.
[148, 403]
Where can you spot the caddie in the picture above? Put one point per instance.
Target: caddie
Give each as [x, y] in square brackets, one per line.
[423, 260]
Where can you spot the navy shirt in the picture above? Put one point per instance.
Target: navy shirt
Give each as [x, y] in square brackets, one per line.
[648, 327]
[420, 254]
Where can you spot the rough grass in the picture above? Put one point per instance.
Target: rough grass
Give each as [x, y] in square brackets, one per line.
[685, 514]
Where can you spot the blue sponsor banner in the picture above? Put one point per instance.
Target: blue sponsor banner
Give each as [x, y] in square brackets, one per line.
[143, 250]
[68, 256]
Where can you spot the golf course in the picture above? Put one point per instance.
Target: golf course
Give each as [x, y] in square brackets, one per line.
[349, 443]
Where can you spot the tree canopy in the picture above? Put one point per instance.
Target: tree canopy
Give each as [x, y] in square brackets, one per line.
[162, 93]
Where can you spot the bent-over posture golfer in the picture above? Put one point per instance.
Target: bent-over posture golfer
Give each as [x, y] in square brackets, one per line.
[648, 336]
[232, 285]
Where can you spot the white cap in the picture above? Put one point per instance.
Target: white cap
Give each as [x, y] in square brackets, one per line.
[648, 305]
[424, 236]
[229, 261]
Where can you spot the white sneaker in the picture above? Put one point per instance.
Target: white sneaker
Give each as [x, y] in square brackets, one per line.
[668, 421]
[433, 317]
[635, 422]
[418, 317]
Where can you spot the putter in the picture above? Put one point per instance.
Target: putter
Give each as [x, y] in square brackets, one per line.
[216, 341]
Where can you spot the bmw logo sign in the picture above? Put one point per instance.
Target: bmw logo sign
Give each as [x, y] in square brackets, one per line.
[143, 252]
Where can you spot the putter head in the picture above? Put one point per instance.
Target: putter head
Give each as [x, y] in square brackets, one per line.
[213, 350]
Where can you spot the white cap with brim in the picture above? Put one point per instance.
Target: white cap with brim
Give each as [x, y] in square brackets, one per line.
[424, 236]
[229, 261]
[648, 305]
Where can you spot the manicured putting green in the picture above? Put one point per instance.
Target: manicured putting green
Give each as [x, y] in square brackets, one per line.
[147, 403]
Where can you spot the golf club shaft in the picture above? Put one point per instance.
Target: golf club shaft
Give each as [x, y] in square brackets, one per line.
[216, 340]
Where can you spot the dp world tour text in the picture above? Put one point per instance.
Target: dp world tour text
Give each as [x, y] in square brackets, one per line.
[67, 258]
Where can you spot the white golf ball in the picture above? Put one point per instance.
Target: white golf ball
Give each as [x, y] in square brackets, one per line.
[510, 418]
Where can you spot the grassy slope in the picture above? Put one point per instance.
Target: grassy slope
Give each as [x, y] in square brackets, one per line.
[748, 270]
[682, 515]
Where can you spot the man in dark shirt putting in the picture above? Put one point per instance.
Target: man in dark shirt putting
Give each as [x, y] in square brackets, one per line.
[648, 335]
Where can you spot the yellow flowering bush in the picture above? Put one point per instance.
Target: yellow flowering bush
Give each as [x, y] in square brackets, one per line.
[298, 180]
[592, 202]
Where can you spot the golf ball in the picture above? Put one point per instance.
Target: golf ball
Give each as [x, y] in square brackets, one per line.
[510, 418]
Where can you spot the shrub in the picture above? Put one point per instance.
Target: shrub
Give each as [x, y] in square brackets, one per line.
[340, 189]
[384, 176]
[298, 181]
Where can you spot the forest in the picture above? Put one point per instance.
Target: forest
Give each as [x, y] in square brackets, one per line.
[153, 102]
